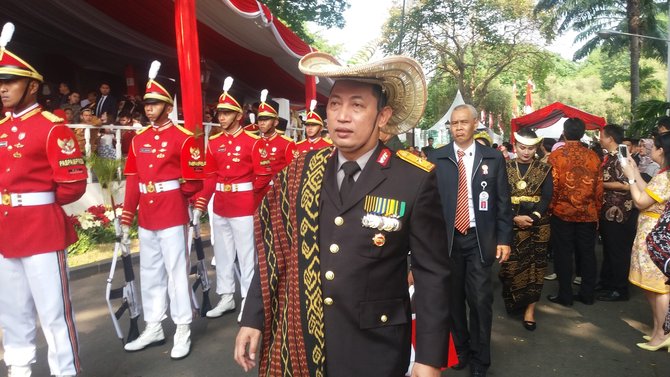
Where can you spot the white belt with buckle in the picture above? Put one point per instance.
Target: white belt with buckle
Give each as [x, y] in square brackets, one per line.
[157, 187]
[234, 187]
[28, 199]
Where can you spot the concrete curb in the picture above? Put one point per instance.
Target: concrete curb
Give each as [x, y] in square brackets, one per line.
[103, 266]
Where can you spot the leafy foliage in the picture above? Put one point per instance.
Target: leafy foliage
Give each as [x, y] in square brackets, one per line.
[471, 41]
[295, 13]
[646, 115]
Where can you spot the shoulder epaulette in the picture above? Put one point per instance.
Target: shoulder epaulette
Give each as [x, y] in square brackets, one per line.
[212, 137]
[3, 120]
[52, 117]
[184, 130]
[287, 138]
[143, 129]
[301, 141]
[252, 134]
[415, 160]
[327, 140]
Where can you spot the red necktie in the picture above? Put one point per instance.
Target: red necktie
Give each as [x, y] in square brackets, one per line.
[462, 222]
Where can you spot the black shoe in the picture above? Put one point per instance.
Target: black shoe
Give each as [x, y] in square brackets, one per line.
[612, 296]
[583, 300]
[529, 325]
[463, 360]
[477, 370]
[557, 300]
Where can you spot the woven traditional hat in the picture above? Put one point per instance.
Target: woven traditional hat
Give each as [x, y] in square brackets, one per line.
[525, 140]
[313, 118]
[484, 135]
[267, 108]
[11, 66]
[159, 88]
[226, 101]
[401, 79]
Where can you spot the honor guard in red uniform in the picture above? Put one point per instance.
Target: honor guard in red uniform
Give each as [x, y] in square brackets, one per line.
[276, 148]
[234, 173]
[164, 168]
[42, 169]
[313, 127]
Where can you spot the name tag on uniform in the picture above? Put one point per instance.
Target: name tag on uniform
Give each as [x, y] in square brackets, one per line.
[484, 201]
[145, 150]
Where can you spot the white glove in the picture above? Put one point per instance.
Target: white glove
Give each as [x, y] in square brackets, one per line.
[125, 234]
[196, 217]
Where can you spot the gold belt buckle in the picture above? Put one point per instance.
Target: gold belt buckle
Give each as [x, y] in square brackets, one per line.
[227, 187]
[151, 187]
[6, 199]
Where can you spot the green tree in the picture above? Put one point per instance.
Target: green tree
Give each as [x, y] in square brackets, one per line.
[472, 41]
[295, 13]
[588, 17]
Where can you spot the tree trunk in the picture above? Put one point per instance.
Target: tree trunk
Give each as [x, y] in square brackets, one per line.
[633, 12]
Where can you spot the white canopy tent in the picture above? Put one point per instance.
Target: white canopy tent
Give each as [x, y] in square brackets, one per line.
[439, 130]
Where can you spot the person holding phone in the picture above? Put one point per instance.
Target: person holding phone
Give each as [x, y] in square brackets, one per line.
[617, 218]
[650, 198]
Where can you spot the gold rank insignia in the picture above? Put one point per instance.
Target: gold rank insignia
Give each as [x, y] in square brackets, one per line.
[3, 136]
[195, 153]
[67, 146]
[415, 160]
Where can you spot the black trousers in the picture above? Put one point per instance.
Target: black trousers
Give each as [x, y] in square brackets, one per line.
[569, 239]
[471, 285]
[617, 244]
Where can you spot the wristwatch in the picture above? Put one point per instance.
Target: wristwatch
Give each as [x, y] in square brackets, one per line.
[631, 181]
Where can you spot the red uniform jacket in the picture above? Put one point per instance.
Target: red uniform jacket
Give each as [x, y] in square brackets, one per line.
[307, 145]
[230, 160]
[278, 149]
[159, 154]
[38, 153]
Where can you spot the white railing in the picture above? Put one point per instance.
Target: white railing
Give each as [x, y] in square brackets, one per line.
[291, 131]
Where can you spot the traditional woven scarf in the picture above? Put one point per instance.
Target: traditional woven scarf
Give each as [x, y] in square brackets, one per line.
[286, 232]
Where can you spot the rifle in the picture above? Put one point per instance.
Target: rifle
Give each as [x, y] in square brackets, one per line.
[128, 292]
[200, 270]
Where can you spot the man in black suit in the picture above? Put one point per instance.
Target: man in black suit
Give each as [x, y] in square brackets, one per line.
[472, 180]
[106, 103]
[330, 296]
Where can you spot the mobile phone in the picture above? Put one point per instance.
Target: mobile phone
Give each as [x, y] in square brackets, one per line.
[623, 154]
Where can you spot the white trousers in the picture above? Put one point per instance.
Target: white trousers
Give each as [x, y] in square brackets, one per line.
[235, 237]
[38, 285]
[164, 270]
[210, 212]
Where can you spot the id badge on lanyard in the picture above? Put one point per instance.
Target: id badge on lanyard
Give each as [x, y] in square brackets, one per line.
[483, 198]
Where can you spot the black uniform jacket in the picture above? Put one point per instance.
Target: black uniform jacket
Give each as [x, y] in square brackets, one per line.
[364, 286]
[489, 173]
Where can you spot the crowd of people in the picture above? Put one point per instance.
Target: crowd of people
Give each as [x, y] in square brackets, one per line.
[321, 235]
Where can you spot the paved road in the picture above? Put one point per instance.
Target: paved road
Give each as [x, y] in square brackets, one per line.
[596, 340]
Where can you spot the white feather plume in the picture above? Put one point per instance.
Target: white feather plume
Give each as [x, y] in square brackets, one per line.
[227, 83]
[252, 117]
[312, 105]
[264, 95]
[6, 36]
[153, 71]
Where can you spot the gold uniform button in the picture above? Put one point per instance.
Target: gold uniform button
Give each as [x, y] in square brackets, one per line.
[328, 301]
[384, 318]
[151, 166]
[339, 221]
[330, 275]
[334, 248]
[151, 201]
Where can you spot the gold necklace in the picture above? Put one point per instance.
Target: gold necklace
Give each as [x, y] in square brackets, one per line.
[521, 184]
